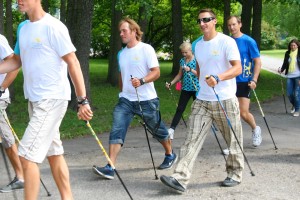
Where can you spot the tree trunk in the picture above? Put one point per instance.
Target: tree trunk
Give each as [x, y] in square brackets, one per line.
[247, 16]
[79, 22]
[45, 4]
[177, 34]
[9, 35]
[226, 15]
[143, 22]
[1, 18]
[256, 25]
[63, 8]
[115, 46]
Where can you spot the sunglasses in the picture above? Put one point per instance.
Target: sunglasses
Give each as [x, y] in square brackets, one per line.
[205, 20]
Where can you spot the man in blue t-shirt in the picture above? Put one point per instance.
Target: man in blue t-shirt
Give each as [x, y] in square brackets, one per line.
[247, 81]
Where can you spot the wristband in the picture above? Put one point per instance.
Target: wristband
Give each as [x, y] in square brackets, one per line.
[142, 81]
[84, 102]
[254, 81]
[216, 78]
[190, 69]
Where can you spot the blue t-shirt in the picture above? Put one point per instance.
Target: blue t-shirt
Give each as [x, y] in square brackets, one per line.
[190, 81]
[248, 51]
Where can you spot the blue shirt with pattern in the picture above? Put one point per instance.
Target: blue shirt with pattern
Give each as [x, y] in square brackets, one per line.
[189, 79]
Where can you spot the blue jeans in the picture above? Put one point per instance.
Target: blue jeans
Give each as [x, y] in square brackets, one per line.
[125, 110]
[293, 90]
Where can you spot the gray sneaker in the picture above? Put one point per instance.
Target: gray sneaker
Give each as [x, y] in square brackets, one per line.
[16, 184]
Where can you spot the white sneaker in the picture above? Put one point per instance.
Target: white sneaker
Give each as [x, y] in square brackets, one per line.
[226, 152]
[296, 114]
[171, 133]
[256, 136]
[292, 110]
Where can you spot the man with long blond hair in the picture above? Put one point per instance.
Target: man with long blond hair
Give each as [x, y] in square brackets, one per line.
[139, 68]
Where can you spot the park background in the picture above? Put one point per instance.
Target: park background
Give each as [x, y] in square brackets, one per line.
[93, 26]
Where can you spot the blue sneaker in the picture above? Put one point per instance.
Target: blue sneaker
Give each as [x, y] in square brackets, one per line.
[168, 161]
[106, 172]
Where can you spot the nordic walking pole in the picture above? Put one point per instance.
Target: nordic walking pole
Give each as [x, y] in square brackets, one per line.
[145, 127]
[7, 168]
[16, 137]
[262, 113]
[229, 124]
[173, 97]
[215, 134]
[283, 94]
[106, 156]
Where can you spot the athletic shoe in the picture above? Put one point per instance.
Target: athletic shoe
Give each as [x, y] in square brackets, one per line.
[296, 114]
[168, 161]
[226, 152]
[171, 133]
[106, 172]
[16, 184]
[229, 182]
[172, 183]
[256, 136]
[292, 110]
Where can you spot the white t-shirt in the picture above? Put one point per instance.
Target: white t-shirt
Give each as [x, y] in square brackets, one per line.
[213, 57]
[137, 62]
[41, 45]
[5, 51]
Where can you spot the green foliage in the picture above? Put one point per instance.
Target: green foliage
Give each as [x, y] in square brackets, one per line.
[269, 37]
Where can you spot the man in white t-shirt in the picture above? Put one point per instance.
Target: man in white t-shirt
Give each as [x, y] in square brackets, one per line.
[7, 137]
[219, 63]
[46, 54]
[139, 68]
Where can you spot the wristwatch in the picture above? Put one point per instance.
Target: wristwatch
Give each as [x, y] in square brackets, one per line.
[2, 89]
[142, 81]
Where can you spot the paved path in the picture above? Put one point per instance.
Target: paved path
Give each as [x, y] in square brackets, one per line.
[271, 64]
[276, 171]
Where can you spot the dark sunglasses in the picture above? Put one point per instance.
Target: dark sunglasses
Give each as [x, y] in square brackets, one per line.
[205, 20]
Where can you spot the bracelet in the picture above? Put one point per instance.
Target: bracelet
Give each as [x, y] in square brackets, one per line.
[190, 69]
[216, 78]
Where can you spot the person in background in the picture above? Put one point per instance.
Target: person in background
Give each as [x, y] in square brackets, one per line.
[8, 139]
[190, 86]
[218, 62]
[47, 55]
[247, 81]
[139, 68]
[291, 66]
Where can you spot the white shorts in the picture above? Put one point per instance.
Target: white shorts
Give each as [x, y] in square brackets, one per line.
[6, 134]
[42, 136]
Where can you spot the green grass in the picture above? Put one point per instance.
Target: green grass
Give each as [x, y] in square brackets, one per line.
[279, 53]
[104, 98]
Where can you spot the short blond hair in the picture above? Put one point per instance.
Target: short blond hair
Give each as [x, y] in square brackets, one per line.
[185, 45]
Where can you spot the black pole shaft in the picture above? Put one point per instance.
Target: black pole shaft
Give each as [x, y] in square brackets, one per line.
[7, 168]
[263, 115]
[215, 134]
[229, 124]
[283, 95]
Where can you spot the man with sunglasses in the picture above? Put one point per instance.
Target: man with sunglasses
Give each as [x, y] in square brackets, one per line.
[246, 81]
[218, 62]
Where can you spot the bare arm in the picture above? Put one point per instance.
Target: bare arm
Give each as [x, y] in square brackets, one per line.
[175, 79]
[75, 72]
[153, 75]
[10, 77]
[256, 71]
[232, 72]
[11, 63]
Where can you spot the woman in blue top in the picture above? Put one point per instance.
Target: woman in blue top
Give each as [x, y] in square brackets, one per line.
[188, 74]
